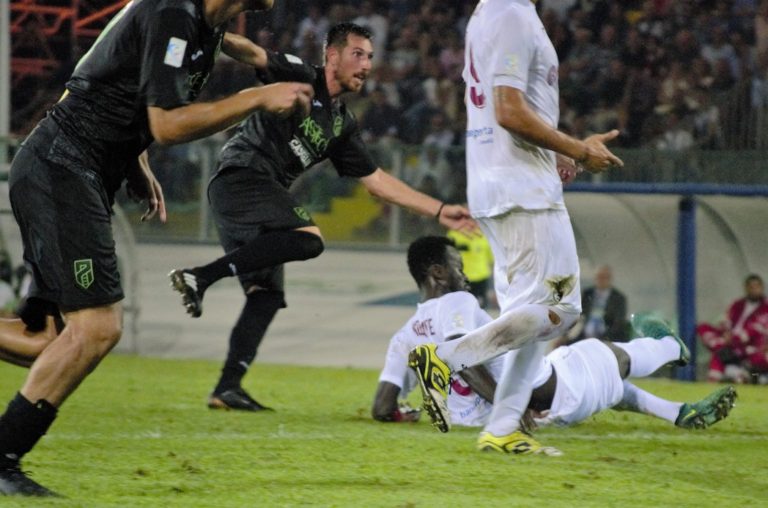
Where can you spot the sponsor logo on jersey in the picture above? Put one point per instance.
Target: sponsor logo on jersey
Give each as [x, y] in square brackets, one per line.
[423, 328]
[197, 55]
[317, 103]
[174, 53]
[84, 272]
[314, 134]
[298, 148]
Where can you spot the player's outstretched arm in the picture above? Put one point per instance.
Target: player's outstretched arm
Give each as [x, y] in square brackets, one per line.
[198, 120]
[386, 408]
[393, 190]
[514, 114]
[244, 50]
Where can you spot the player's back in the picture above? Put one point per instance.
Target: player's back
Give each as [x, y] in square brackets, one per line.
[506, 45]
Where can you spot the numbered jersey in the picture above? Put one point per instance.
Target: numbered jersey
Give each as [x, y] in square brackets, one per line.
[506, 45]
[436, 320]
[283, 148]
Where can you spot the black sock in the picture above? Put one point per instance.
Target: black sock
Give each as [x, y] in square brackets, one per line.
[21, 427]
[269, 249]
[259, 310]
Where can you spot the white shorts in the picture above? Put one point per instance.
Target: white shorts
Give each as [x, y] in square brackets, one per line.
[535, 259]
[588, 381]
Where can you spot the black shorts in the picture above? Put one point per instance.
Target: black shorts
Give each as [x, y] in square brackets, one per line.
[245, 204]
[65, 221]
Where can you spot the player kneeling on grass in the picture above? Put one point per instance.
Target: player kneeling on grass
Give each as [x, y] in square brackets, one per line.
[572, 382]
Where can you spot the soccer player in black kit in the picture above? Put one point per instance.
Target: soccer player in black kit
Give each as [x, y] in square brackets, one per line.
[260, 225]
[135, 85]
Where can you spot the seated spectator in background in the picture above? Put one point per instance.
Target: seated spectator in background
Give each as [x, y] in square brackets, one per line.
[477, 258]
[7, 294]
[676, 137]
[603, 310]
[739, 345]
[380, 118]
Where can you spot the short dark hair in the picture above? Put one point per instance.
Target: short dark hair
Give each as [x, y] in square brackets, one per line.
[337, 35]
[425, 252]
[753, 277]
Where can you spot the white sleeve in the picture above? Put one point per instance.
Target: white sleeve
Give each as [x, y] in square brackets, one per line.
[513, 49]
[459, 314]
[396, 370]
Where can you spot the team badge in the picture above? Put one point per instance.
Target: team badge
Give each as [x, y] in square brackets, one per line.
[84, 272]
[338, 122]
[302, 213]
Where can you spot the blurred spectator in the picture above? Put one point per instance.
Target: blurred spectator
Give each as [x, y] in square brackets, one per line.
[379, 26]
[676, 137]
[761, 27]
[603, 309]
[439, 133]
[718, 48]
[739, 344]
[707, 130]
[312, 28]
[8, 296]
[433, 170]
[380, 118]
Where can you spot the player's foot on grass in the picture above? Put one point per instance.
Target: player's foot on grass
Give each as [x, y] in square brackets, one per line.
[648, 325]
[517, 443]
[433, 375]
[15, 482]
[237, 399]
[708, 411]
[191, 288]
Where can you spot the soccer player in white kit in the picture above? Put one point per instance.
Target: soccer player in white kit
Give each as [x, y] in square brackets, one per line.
[570, 384]
[515, 193]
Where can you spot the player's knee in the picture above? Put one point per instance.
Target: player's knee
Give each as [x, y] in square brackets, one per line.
[311, 245]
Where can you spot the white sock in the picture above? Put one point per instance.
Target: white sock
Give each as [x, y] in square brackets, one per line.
[646, 355]
[638, 400]
[512, 330]
[513, 391]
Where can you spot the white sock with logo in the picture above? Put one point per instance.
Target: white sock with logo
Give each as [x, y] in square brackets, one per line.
[646, 355]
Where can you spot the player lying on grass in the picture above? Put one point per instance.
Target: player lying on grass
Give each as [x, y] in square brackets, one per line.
[572, 383]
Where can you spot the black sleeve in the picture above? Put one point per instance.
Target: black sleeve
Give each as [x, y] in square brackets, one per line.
[350, 155]
[285, 67]
[165, 58]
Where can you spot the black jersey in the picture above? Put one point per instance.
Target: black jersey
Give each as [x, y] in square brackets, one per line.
[152, 53]
[283, 148]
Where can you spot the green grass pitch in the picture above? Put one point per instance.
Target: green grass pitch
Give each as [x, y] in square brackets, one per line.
[137, 433]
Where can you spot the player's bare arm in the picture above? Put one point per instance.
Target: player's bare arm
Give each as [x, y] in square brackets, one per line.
[514, 114]
[244, 50]
[142, 185]
[393, 190]
[198, 120]
[387, 409]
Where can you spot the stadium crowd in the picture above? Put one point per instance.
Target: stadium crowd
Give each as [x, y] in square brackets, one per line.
[659, 71]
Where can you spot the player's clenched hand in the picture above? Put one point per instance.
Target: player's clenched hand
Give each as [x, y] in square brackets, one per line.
[597, 158]
[285, 98]
[142, 185]
[406, 413]
[457, 217]
[566, 168]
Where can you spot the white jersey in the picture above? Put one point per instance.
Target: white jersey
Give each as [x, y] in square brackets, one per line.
[506, 45]
[436, 320]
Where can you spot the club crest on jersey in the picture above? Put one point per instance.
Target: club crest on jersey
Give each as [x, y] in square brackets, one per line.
[338, 123]
[302, 213]
[174, 53]
[552, 76]
[84, 273]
